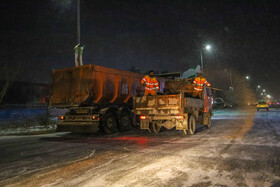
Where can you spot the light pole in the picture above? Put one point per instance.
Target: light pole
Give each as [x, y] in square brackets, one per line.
[78, 48]
[207, 48]
[78, 22]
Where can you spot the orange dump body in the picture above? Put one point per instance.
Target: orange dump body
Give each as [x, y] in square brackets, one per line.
[92, 84]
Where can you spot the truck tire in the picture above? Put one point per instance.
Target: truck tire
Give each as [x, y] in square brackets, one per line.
[192, 124]
[209, 123]
[125, 121]
[109, 123]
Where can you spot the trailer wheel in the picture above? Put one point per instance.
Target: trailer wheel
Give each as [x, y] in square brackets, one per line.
[192, 124]
[156, 127]
[109, 123]
[125, 121]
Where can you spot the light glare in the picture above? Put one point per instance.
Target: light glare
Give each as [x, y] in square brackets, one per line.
[208, 47]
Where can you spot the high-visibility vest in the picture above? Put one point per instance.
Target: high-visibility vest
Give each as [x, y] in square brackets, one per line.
[199, 82]
[150, 82]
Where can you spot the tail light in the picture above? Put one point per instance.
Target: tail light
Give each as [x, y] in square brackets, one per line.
[95, 117]
[142, 117]
[72, 117]
[61, 117]
[258, 105]
[266, 105]
[179, 117]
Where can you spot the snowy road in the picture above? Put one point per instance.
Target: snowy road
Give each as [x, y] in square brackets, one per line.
[241, 149]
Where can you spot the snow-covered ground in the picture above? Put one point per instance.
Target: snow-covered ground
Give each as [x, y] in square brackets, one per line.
[24, 120]
[241, 149]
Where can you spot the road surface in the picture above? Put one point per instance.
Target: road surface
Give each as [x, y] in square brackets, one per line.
[241, 149]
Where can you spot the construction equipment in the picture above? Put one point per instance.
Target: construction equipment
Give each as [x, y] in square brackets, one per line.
[97, 97]
[178, 109]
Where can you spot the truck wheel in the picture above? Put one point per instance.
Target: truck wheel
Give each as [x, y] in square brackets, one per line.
[109, 123]
[209, 123]
[125, 121]
[156, 127]
[192, 123]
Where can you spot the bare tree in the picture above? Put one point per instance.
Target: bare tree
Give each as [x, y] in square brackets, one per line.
[8, 75]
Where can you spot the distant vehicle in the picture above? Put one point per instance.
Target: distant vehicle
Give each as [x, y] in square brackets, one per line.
[218, 102]
[262, 105]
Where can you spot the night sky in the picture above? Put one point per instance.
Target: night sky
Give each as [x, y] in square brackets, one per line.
[159, 35]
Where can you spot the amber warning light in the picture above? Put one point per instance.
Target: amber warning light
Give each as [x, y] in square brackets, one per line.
[61, 117]
[142, 117]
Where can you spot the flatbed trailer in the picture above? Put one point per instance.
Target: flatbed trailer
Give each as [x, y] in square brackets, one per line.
[174, 110]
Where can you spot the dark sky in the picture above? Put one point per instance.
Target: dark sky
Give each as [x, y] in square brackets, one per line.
[159, 35]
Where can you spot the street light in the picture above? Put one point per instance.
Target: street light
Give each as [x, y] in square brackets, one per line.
[207, 48]
[247, 77]
[263, 90]
[268, 96]
[259, 86]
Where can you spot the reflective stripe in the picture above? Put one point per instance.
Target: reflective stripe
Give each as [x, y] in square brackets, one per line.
[198, 89]
[150, 83]
[146, 88]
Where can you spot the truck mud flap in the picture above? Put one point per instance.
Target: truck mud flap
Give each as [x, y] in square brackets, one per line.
[182, 124]
[145, 125]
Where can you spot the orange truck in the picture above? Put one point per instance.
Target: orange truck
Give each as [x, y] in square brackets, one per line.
[98, 98]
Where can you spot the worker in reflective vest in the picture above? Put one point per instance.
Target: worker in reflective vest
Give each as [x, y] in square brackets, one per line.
[198, 82]
[151, 84]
